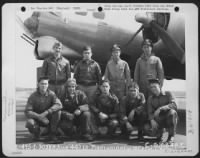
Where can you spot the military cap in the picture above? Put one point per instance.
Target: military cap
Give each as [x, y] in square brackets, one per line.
[147, 42]
[42, 78]
[154, 80]
[71, 81]
[115, 47]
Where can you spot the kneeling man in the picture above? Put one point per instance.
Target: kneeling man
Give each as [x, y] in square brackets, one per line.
[162, 112]
[132, 109]
[76, 116]
[106, 110]
[43, 110]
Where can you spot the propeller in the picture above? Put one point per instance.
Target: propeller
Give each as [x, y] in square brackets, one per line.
[171, 44]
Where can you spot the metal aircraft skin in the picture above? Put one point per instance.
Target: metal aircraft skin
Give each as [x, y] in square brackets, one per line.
[101, 30]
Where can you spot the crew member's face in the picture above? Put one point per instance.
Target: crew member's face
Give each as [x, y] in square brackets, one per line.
[105, 88]
[43, 85]
[133, 92]
[155, 89]
[116, 54]
[147, 50]
[57, 51]
[87, 55]
[71, 88]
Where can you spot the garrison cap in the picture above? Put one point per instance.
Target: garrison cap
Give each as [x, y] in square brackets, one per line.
[71, 81]
[154, 80]
[115, 47]
[42, 78]
[147, 42]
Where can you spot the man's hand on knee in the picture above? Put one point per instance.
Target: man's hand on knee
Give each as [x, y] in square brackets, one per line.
[77, 112]
[42, 118]
[103, 116]
[156, 113]
[84, 107]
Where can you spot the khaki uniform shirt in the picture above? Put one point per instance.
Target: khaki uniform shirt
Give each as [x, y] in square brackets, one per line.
[147, 69]
[117, 71]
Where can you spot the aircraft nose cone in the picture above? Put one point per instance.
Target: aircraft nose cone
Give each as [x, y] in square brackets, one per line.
[32, 24]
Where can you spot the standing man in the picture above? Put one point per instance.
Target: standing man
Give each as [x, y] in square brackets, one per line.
[75, 115]
[57, 68]
[118, 73]
[162, 112]
[88, 74]
[43, 110]
[148, 66]
[106, 109]
[133, 111]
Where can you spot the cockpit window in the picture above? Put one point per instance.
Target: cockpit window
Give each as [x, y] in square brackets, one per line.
[99, 15]
[81, 13]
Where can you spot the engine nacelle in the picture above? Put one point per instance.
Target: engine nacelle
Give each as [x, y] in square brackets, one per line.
[44, 49]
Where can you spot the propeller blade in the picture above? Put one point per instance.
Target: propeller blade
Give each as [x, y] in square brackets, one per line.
[171, 44]
[133, 37]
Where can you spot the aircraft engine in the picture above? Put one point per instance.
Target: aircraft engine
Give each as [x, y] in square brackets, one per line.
[162, 19]
[44, 47]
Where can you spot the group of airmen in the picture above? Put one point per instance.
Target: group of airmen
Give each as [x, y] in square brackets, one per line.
[91, 105]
